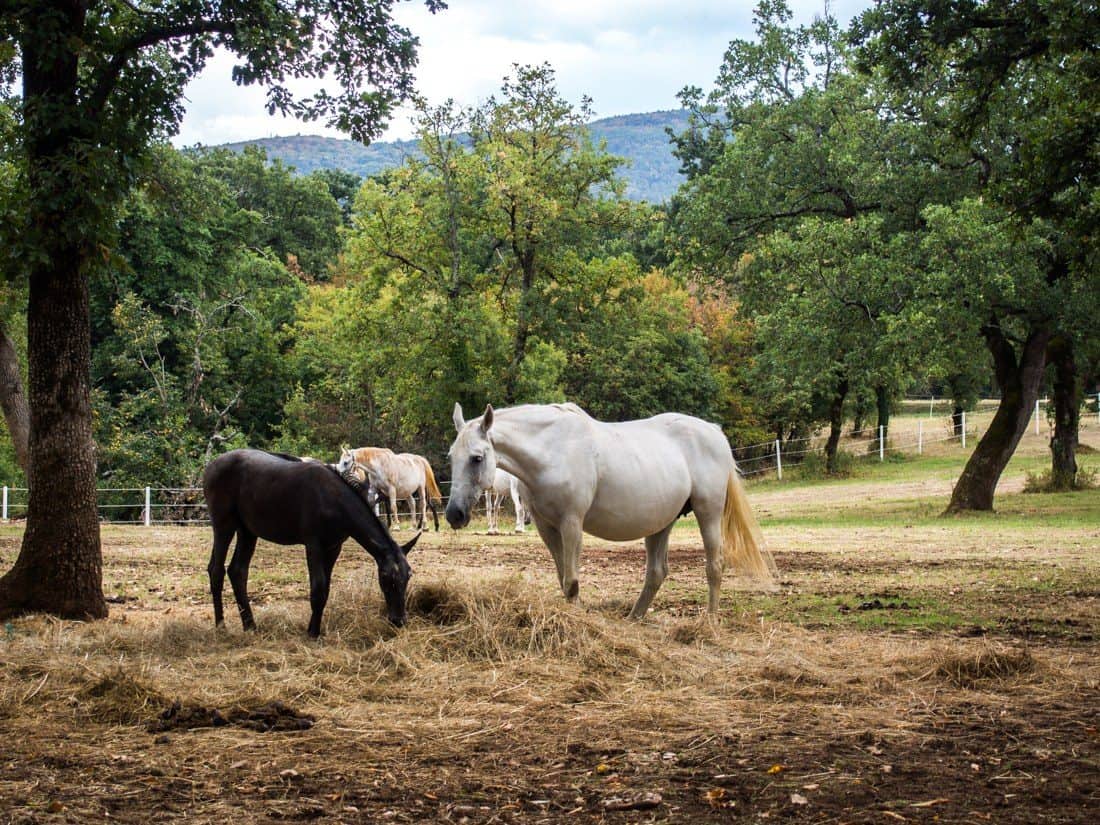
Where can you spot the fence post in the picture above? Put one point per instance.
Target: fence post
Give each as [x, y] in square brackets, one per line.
[920, 437]
[964, 429]
[778, 461]
[931, 403]
[5, 516]
[881, 443]
[148, 508]
[1036, 416]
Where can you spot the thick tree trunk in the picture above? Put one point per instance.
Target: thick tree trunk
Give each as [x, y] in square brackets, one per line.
[1019, 381]
[957, 420]
[14, 402]
[1067, 414]
[836, 422]
[59, 567]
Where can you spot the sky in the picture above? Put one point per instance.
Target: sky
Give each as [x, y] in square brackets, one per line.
[627, 55]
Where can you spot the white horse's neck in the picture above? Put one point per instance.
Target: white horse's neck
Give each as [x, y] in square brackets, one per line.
[523, 438]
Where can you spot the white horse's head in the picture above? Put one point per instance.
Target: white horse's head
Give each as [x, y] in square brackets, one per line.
[473, 464]
[348, 466]
[347, 461]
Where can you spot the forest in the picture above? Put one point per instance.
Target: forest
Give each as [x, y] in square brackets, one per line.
[902, 206]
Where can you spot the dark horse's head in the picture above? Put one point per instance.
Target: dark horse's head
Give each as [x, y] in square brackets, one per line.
[393, 577]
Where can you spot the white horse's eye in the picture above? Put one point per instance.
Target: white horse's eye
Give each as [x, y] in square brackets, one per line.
[477, 459]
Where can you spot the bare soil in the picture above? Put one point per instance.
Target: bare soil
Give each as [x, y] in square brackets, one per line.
[939, 672]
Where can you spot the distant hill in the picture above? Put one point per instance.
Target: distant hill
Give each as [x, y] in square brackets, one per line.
[652, 173]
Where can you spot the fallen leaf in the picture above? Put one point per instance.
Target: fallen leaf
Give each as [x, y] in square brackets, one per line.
[777, 768]
[799, 799]
[715, 796]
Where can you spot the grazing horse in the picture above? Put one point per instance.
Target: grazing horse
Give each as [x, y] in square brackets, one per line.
[504, 484]
[285, 500]
[397, 475]
[619, 482]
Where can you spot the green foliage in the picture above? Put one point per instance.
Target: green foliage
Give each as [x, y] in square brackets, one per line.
[189, 323]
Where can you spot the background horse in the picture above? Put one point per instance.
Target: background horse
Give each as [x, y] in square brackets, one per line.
[504, 484]
[619, 482]
[398, 475]
[285, 500]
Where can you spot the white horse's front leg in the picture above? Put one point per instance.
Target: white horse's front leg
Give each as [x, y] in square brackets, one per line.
[552, 539]
[519, 511]
[571, 536]
[394, 510]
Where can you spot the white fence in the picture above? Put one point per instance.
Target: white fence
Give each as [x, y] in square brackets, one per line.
[150, 506]
[184, 505]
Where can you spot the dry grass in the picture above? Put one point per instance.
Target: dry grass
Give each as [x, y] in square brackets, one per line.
[499, 702]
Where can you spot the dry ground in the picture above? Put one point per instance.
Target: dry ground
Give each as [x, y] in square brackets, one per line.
[905, 670]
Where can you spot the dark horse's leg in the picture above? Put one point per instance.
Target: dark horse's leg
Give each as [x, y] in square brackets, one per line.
[321, 561]
[238, 575]
[223, 535]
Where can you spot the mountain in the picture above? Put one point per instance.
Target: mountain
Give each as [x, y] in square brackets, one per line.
[652, 173]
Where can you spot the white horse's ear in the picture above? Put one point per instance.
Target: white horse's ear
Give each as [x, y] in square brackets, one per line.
[456, 416]
[487, 418]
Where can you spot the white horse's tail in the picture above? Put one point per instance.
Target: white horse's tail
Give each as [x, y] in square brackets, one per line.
[742, 543]
[429, 479]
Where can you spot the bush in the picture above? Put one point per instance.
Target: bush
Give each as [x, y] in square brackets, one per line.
[1087, 479]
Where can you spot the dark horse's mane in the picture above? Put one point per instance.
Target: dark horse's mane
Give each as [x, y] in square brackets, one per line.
[284, 456]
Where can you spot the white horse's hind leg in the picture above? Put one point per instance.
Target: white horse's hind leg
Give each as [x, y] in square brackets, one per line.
[711, 528]
[656, 568]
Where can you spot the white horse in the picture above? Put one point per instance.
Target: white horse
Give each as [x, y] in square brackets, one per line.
[620, 482]
[504, 484]
[394, 476]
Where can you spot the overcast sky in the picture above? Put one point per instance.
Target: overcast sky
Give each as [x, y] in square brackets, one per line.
[627, 55]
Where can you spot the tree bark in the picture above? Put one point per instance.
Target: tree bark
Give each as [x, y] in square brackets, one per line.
[882, 407]
[836, 422]
[59, 569]
[14, 401]
[1019, 380]
[1067, 391]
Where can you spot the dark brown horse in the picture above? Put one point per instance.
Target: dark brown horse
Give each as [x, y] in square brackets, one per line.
[286, 500]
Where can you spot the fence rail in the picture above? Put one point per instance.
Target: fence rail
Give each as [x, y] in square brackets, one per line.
[184, 505]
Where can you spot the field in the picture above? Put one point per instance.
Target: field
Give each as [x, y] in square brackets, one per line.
[907, 668]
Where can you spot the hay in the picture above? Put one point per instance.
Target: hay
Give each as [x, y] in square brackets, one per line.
[974, 669]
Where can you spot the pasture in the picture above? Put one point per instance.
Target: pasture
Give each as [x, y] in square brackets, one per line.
[907, 669]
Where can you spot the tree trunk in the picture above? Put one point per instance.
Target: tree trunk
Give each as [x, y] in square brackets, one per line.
[957, 420]
[523, 327]
[14, 401]
[836, 422]
[1067, 414]
[882, 406]
[59, 569]
[1019, 381]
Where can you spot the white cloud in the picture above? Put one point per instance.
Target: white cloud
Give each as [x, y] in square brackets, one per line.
[627, 55]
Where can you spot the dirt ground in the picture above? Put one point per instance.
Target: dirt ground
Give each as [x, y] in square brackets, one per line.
[940, 671]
